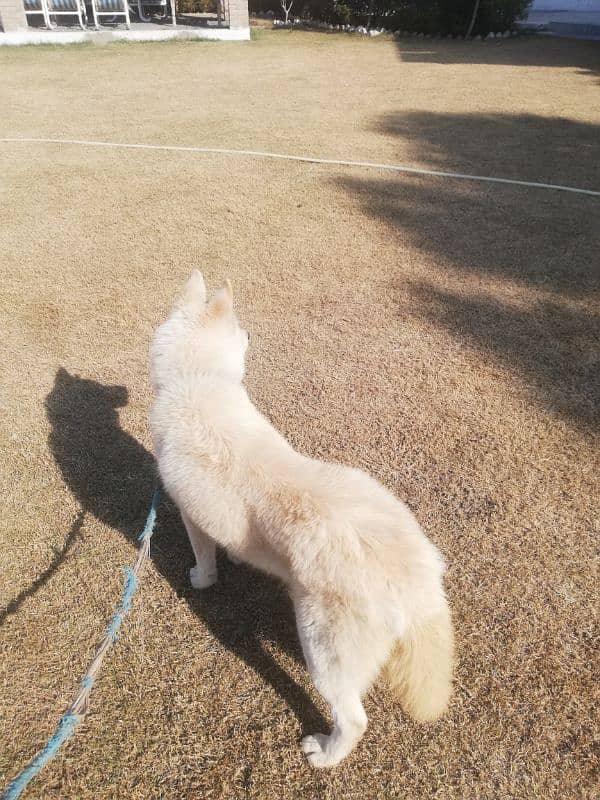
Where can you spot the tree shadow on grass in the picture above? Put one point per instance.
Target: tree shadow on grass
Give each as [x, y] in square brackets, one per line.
[521, 52]
[554, 345]
[525, 147]
[112, 476]
[518, 266]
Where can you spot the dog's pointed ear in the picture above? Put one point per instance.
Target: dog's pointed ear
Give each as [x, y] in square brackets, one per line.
[195, 289]
[221, 304]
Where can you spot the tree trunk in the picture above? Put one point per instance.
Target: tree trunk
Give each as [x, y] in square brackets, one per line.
[370, 19]
[287, 7]
[473, 18]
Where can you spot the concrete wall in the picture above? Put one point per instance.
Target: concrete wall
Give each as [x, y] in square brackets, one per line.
[238, 14]
[12, 15]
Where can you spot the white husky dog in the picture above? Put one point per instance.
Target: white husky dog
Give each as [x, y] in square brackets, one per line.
[365, 581]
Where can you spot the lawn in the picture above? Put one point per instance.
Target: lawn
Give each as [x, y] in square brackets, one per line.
[441, 334]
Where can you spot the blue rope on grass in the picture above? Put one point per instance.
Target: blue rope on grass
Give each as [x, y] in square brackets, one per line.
[63, 732]
[70, 720]
[131, 583]
[151, 518]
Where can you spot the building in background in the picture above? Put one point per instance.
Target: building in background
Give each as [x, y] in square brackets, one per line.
[65, 21]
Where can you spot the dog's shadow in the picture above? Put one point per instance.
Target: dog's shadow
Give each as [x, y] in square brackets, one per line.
[112, 476]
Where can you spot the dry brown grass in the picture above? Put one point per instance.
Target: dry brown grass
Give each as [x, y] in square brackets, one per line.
[442, 335]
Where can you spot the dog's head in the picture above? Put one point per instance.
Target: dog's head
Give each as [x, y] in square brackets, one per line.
[199, 335]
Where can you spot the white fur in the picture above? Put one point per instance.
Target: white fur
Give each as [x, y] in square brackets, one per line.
[362, 575]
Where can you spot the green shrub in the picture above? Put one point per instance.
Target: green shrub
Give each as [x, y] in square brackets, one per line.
[420, 16]
[343, 13]
[448, 16]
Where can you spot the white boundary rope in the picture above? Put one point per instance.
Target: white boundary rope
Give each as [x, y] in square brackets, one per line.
[305, 159]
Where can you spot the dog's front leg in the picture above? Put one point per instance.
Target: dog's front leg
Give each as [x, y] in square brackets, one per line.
[204, 574]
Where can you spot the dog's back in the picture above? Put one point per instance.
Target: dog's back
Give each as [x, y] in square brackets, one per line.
[365, 581]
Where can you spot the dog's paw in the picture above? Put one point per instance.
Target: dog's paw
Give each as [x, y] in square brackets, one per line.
[200, 579]
[315, 749]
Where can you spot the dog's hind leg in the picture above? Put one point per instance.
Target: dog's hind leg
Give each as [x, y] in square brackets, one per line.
[343, 658]
[204, 574]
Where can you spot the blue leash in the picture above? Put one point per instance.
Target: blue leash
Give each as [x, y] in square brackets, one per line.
[79, 707]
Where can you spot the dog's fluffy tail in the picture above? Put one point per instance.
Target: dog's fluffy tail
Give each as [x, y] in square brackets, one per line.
[420, 667]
